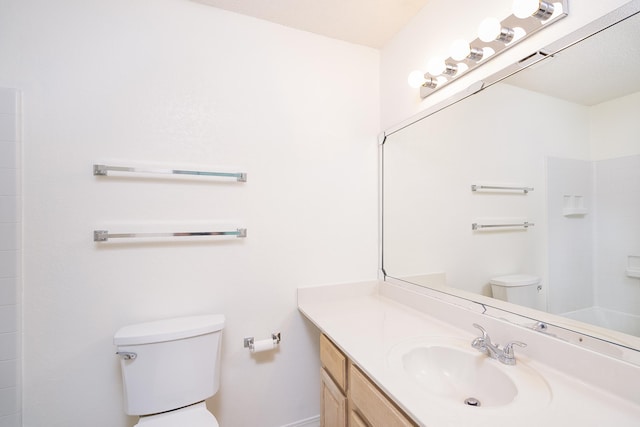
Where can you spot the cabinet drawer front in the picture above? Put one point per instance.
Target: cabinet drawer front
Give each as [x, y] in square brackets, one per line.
[378, 410]
[334, 362]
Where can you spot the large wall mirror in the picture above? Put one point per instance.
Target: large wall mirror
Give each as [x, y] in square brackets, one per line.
[553, 151]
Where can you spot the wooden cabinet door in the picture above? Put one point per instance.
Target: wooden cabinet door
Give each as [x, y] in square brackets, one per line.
[355, 420]
[333, 404]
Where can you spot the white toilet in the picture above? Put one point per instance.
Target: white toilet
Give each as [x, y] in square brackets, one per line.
[169, 368]
[521, 289]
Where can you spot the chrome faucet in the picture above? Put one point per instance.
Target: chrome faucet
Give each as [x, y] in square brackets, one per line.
[484, 345]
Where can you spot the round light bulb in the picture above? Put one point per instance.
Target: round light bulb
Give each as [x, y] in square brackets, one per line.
[489, 30]
[487, 52]
[518, 33]
[416, 79]
[460, 49]
[525, 8]
[436, 66]
[557, 9]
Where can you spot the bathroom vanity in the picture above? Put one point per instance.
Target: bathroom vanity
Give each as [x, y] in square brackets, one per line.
[348, 394]
[387, 350]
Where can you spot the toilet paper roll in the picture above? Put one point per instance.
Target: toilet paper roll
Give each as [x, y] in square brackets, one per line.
[263, 345]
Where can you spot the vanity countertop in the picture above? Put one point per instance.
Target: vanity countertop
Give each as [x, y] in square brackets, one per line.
[367, 324]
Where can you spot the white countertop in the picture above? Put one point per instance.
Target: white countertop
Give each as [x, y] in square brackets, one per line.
[367, 326]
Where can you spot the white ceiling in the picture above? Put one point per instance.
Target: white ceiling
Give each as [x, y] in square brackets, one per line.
[601, 68]
[365, 22]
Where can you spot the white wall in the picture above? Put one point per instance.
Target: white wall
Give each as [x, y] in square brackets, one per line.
[10, 250]
[441, 22]
[179, 83]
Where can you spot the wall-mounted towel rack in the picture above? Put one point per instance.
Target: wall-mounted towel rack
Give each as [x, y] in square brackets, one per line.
[476, 226]
[102, 170]
[496, 187]
[104, 235]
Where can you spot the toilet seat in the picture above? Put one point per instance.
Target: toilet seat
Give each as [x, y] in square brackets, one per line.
[193, 416]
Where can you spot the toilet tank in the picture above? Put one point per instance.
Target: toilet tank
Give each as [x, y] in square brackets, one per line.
[521, 289]
[169, 363]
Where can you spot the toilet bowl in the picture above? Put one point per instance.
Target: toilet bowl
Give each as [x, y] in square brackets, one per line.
[169, 368]
[195, 415]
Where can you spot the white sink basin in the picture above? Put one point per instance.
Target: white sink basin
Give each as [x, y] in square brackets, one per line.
[451, 371]
[455, 374]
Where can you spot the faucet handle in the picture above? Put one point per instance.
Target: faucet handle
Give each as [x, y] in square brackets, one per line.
[508, 348]
[485, 335]
[480, 343]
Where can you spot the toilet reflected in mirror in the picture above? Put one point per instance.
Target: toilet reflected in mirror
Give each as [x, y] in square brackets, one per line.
[521, 289]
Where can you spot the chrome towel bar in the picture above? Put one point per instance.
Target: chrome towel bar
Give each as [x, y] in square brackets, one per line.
[104, 235]
[102, 170]
[494, 187]
[476, 226]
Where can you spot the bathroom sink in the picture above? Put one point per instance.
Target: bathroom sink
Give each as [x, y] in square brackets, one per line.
[450, 371]
[456, 374]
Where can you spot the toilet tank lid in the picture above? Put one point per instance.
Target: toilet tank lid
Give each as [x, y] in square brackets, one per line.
[168, 329]
[515, 280]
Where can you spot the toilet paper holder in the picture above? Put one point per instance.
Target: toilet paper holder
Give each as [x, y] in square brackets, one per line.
[250, 341]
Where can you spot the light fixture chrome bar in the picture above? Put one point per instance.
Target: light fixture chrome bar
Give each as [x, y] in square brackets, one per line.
[104, 235]
[545, 10]
[482, 52]
[476, 226]
[102, 170]
[494, 187]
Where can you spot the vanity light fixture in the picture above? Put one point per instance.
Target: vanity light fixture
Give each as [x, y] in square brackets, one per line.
[538, 9]
[450, 69]
[416, 79]
[430, 82]
[476, 54]
[491, 29]
[459, 50]
[436, 66]
[494, 37]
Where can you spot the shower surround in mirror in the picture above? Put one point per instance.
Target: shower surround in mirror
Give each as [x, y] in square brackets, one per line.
[592, 240]
[506, 135]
